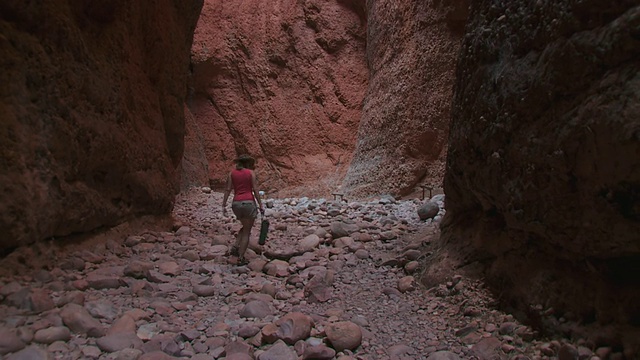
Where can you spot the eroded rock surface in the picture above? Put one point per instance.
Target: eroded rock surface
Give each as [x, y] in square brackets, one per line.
[412, 48]
[91, 102]
[543, 175]
[283, 81]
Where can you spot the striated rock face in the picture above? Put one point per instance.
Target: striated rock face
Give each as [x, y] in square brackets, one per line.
[283, 81]
[412, 48]
[543, 171]
[92, 107]
[194, 165]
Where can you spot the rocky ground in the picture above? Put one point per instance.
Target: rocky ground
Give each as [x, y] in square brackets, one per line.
[334, 280]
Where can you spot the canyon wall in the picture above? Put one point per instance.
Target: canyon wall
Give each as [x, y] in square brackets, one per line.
[412, 48]
[194, 168]
[92, 107]
[281, 80]
[543, 169]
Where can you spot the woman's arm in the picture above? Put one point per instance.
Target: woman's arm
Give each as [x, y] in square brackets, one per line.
[256, 193]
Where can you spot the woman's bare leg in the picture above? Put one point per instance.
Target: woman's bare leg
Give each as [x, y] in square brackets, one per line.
[243, 236]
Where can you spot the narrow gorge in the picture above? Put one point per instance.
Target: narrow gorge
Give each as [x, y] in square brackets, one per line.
[445, 179]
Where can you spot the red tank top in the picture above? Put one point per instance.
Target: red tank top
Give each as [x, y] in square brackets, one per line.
[242, 187]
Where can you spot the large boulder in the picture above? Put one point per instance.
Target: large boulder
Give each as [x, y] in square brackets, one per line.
[92, 106]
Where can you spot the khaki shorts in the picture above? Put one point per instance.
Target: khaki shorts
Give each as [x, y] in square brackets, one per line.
[245, 209]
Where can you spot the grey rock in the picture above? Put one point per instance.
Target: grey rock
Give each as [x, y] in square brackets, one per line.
[101, 309]
[30, 353]
[341, 229]
[344, 335]
[204, 290]
[428, 210]
[279, 351]
[443, 355]
[91, 352]
[256, 309]
[487, 348]
[117, 342]
[130, 354]
[318, 352]
[9, 341]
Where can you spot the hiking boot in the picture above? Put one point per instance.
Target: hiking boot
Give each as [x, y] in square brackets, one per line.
[234, 251]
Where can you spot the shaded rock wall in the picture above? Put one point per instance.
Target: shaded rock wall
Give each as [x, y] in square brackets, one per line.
[412, 48]
[283, 81]
[543, 170]
[194, 165]
[91, 106]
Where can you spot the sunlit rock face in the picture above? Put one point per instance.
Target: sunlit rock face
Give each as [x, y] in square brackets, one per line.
[412, 48]
[284, 82]
[543, 175]
[92, 112]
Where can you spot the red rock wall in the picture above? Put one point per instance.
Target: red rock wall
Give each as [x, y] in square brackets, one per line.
[543, 171]
[283, 81]
[412, 48]
[91, 106]
[194, 166]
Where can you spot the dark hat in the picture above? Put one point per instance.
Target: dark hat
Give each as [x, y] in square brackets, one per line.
[244, 158]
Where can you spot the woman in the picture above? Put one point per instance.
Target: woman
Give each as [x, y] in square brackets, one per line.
[245, 195]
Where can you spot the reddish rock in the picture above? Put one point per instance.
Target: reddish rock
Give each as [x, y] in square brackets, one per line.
[293, 327]
[41, 301]
[92, 113]
[406, 284]
[269, 333]
[78, 319]
[412, 49]
[247, 331]
[344, 335]
[320, 287]
[125, 324]
[283, 81]
[238, 348]
[117, 342]
[277, 268]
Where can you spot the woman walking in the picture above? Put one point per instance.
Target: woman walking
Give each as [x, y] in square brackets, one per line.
[245, 195]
